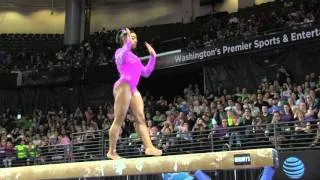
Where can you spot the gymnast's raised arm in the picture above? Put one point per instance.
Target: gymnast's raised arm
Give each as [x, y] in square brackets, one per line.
[120, 54]
[147, 70]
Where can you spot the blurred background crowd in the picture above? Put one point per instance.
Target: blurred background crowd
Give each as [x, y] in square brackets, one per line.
[230, 118]
[42, 52]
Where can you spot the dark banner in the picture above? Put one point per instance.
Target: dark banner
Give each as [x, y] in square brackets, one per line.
[298, 165]
[247, 70]
[259, 43]
[8, 80]
[47, 77]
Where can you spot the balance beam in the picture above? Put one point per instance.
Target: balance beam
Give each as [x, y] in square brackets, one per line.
[242, 159]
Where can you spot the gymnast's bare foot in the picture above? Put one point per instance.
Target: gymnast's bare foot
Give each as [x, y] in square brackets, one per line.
[113, 156]
[153, 151]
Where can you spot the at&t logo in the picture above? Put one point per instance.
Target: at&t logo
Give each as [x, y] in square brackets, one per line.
[293, 167]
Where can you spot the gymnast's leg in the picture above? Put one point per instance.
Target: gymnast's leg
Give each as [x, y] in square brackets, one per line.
[122, 97]
[137, 108]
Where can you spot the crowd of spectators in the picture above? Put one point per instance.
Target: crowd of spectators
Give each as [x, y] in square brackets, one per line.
[253, 21]
[227, 119]
[209, 31]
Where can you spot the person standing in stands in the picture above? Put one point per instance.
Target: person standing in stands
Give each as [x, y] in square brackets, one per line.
[126, 94]
[2, 151]
[22, 152]
[33, 153]
[8, 154]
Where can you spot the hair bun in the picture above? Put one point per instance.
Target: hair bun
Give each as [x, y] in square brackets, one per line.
[120, 35]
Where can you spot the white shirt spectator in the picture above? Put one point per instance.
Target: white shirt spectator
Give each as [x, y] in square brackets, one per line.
[288, 4]
[60, 55]
[309, 18]
[234, 20]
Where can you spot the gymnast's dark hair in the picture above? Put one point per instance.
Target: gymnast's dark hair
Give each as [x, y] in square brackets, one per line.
[120, 36]
[122, 33]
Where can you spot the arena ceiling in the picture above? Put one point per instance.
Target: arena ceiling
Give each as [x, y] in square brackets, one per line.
[56, 3]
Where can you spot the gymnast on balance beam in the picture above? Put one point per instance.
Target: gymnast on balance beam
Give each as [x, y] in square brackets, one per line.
[125, 91]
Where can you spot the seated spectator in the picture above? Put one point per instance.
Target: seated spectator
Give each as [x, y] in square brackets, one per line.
[274, 107]
[78, 114]
[257, 128]
[245, 121]
[191, 118]
[167, 127]
[220, 131]
[25, 123]
[90, 135]
[154, 133]
[244, 94]
[106, 124]
[60, 55]
[302, 126]
[292, 104]
[255, 134]
[180, 119]
[310, 115]
[134, 137]
[303, 135]
[66, 143]
[149, 125]
[219, 113]
[184, 136]
[260, 102]
[2, 151]
[220, 135]
[287, 114]
[287, 4]
[89, 114]
[238, 111]
[7, 161]
[316, 141]
[156, 118]
[309, 18]
[240, 129]
[33, 153]
[199, 125]
[275, 139]
[102, 60]
[166, 141]
[232, 120]
[231, 105]
[101, 116]
[36, 140]
[265, 116]
[285, 92]
[184, 107]
[110, 114]
[183, 131]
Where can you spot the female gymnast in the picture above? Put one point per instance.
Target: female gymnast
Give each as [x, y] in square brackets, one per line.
[126, 94]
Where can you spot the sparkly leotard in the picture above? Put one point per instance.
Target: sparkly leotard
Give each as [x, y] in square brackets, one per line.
[130, 67]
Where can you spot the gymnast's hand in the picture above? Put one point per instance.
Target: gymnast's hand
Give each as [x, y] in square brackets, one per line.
[128, 34]
[127, 30]
[150, 49]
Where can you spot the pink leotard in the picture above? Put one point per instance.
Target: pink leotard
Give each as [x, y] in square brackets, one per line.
[130, 67]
